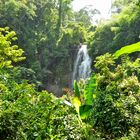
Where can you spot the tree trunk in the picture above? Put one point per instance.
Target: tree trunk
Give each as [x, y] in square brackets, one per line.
[60, 17]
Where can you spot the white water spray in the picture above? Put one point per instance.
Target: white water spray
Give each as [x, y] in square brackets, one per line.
[82, 66]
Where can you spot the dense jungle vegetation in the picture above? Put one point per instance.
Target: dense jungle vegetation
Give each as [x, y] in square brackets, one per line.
[38, 46]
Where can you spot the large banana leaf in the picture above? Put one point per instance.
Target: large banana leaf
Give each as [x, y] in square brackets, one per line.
[127, 49]
[90, 90]
[84, 108]
[77, 103]
[76, 89]
[85, 111]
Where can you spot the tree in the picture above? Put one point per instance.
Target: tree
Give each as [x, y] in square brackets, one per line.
[118, 5]
[9, 53]
[122, 30]
[64, 13]
[86, 15]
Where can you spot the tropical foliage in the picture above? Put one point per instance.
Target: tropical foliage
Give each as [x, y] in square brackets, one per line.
[26, 113]
[116, 104]
[38, 45]
[122, 30]
[128, 49]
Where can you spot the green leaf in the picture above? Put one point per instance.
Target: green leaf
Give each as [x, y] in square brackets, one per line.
[90, 90]
[76, 89]
[127, 49]
[85, 111]
[77, 103]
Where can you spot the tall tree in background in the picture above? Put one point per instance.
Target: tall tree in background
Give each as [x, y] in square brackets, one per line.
[59, 17]
[64, 13]
[118, 5]
[122, 30]
[85, 15]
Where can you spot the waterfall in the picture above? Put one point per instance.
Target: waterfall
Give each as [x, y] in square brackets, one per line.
[82, 65]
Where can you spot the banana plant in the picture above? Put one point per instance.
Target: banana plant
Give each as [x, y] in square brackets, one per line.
[127, 49]
[83, 101]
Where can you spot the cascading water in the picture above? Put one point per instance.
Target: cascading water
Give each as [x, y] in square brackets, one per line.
[82, 66]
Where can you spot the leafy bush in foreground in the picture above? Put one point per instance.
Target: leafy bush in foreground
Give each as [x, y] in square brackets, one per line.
[27, 114]
[116, 109]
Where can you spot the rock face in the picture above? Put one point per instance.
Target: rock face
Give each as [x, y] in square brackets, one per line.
[54, 88]
[60, 75]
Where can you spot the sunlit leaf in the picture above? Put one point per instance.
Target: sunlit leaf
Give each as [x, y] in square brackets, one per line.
[76, 89]
[89, 90]
[128, 49]
[77, 104]
[85, 111]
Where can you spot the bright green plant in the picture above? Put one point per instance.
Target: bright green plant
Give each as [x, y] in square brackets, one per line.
[9, 53]
[83, 98]
[128, 49]
[116, 104]
[27, 114]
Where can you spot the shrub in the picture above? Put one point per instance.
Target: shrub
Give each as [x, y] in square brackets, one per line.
[27, 114]
[117, 104]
